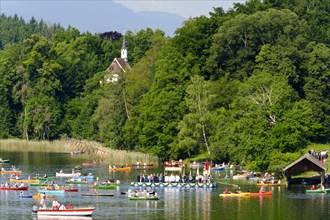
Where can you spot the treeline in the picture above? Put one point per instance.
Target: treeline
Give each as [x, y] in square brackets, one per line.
[249, 86]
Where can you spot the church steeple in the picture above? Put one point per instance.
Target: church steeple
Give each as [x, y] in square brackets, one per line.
[124, 50]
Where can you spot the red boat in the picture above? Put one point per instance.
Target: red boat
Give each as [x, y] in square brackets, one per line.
[89, 163]
[269, 193]
[173, 163]
[15, 188]
[71, 190]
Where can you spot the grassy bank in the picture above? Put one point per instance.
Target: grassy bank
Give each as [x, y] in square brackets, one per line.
[92, 150]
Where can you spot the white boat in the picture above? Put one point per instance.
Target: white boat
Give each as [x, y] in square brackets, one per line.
[240, 177]
[73, 175]
[68, 211]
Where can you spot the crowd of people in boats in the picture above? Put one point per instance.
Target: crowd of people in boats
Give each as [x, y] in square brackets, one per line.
[321, 155]
[239, 191]
[141, 193]
[16, 185]
[173, 178]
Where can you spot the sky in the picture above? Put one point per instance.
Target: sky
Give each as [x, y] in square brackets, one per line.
[98, 16]
[184, 8]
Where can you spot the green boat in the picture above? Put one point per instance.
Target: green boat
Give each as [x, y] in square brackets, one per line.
[104, 187]
[143, 198]
[44, 178]
[317, 191]
[38, 184]
[77, 182]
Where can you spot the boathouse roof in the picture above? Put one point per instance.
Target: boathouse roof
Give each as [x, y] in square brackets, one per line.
[305, 163]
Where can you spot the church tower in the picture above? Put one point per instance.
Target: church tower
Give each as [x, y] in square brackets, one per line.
[124, 50]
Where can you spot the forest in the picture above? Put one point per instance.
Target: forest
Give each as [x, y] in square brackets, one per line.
[248, 86]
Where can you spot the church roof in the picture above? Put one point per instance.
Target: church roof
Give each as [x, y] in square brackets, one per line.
[122, 64]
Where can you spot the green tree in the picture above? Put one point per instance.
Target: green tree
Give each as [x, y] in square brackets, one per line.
[195, 126]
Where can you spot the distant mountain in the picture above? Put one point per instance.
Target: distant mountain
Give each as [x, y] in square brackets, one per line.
[92, 16]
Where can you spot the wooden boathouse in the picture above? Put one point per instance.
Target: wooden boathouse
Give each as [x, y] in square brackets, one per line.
[304, 164]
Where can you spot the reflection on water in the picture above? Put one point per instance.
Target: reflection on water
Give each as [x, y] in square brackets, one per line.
[174, 203]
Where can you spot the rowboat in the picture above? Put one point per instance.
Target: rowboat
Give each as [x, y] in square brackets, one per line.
[103, 187]
[69, 211]
[234, 194]
[25, 196]
[271, 184]
[87, 177]
[240, 177]
[218, 168]
[315, 191]
[73, 181]
[15, 188]
[268, 193]
[38, 184]
[89, 163]
[22, 180]
[71, 189]
[96, 194]
[38, 196]
[44, 178]
[51, 192]
[67, 174]
[44, 217]
[11, 171]
[120, 168]
[143, 198]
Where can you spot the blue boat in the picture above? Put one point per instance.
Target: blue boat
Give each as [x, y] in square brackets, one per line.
[52, 192]
[218, 168]
[25, 196]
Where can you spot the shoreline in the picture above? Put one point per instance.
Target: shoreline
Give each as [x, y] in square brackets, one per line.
[89, 149]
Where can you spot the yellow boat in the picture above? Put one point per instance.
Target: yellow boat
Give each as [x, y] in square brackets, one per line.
[234, 194]
[38, 196]
[23, 181]
[11, 171]
[121, 168]
[271, 184]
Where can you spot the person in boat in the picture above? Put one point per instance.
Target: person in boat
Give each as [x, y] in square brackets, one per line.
[45, 176]
[238, 191]
[16, 185]
[61, 171]
[313, 187]
[22, 184]
[42, 200]
[55, 204]
[261, 191]
[6, 185]
[226, 191]
[2, 185]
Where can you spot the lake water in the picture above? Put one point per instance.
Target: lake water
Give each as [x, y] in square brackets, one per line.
[174, 203]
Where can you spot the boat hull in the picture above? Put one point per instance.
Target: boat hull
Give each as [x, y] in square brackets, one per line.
[15, 188]
[23, 181]
[234, 194]
[52, 192]
[66, 212]
[104, 187]
[121, 169]
[316, 191]
[269, 193]
[144, 198]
